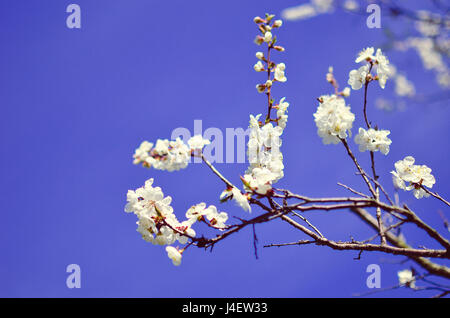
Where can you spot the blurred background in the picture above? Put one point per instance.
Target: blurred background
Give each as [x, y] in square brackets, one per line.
[75, 103]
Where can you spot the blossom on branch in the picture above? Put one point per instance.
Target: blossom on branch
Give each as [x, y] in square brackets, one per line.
[373, 140]
[333, 118]
[406, 277]
[408, 176]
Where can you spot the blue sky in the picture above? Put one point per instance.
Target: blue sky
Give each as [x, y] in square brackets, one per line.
[76, 103]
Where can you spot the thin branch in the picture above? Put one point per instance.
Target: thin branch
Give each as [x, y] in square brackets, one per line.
[361, 171]
[437, 196]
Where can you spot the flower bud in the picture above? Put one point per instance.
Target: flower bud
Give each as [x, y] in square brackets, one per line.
[279, 48]
[346, 92]
[259, 67]
[268, 83]
[259, 55]
[261, 88]
[258, 20]
[267, 37]
[259, 40]
[269, 17]
[277, 23]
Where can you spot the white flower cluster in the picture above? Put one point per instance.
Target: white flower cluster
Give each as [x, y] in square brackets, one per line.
[408, 176]
[333, 119]
[406, 277]
[158, 224]
[200, 212]
[170, 155]
[358, 78]
[263, 150]
[373, 140]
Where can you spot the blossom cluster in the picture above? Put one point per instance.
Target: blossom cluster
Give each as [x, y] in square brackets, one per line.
[333, 118]
[263, 148]
[408, 176]
[358, 78]
[373, 140]
[158, 224]
[169, 155]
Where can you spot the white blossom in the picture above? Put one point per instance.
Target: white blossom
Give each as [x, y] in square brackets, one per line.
[383, 72]
[357, 78]
[282, 117]
[268, 37]
[279, 72]
[215, 218]
[196, 212]
[258, 67]
[406, 277]
[142, 153]
[174, 255]
[346, 92]
[365, 55]
[263, 148]
[241, 199]
[165, 155]
[277, 23]
[198, 142]
[373, 140]
[333, 119]
[259, 55]
[408, 176]
[260, 180]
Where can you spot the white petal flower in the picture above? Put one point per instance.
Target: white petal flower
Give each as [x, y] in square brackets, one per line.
[216, 219]
[198, 142]
[142, 153]
[365, 55]
[174, 255]
[282, 117]
[196, 212]
[153, 211]
[279, 72]
[408, 176]
[277, 23]
[373, 140]
[357, 78]
[383, 71]
[165, 155]
[259, 181]
[346, 92]
[333, 119]
[268, 37]
[406, 277]
[258, 67]
[241, 200]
